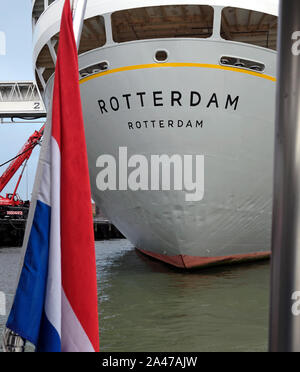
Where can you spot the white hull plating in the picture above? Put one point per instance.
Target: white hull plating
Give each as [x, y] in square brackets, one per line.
[236, 139]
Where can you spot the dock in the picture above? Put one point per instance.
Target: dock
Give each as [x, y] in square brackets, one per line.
[12, 231]
[105, 230]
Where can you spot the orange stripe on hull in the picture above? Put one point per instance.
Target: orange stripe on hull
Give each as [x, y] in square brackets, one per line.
[188, 262]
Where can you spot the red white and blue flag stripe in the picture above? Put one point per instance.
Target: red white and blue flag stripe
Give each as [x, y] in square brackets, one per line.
[55, 306]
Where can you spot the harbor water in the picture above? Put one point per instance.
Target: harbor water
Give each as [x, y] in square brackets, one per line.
[145, 305]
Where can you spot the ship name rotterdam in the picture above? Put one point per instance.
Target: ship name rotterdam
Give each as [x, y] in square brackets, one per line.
[159, 98]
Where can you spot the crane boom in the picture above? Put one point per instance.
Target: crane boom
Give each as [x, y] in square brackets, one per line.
[23, 155]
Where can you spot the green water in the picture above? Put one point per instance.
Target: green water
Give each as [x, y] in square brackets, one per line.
[145, 305]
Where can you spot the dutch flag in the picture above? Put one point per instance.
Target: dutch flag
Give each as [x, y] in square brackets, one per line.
[55, 306]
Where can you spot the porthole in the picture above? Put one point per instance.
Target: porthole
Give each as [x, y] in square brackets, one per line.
[161, 56]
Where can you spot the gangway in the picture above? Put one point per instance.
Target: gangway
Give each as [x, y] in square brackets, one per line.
[21, 99]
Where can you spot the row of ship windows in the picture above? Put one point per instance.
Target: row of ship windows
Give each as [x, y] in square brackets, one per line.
[196, 21]
[178, 21]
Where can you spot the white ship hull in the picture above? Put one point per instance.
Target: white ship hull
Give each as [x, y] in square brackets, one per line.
[214, 96]
[233, 221]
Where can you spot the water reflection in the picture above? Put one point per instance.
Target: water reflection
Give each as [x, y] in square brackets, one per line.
[148, 306]
[145, 305]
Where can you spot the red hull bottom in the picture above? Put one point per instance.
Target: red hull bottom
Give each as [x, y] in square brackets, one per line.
[188, 262]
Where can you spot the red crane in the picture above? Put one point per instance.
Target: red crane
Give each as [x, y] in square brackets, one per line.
[12, 199]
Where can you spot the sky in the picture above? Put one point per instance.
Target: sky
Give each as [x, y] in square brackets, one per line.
[16, 65]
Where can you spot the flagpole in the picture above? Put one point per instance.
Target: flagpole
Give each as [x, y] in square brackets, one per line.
[78, 10]
[11, 342]
[284, 332]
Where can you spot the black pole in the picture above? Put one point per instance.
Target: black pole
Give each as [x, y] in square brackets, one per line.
[285, 267]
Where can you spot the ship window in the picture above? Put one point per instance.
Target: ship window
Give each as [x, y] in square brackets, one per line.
[242, 63]
[94, 69]
[93, 34]
[190, 21]
[248, 26]
[39, 7]
[45, 61]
